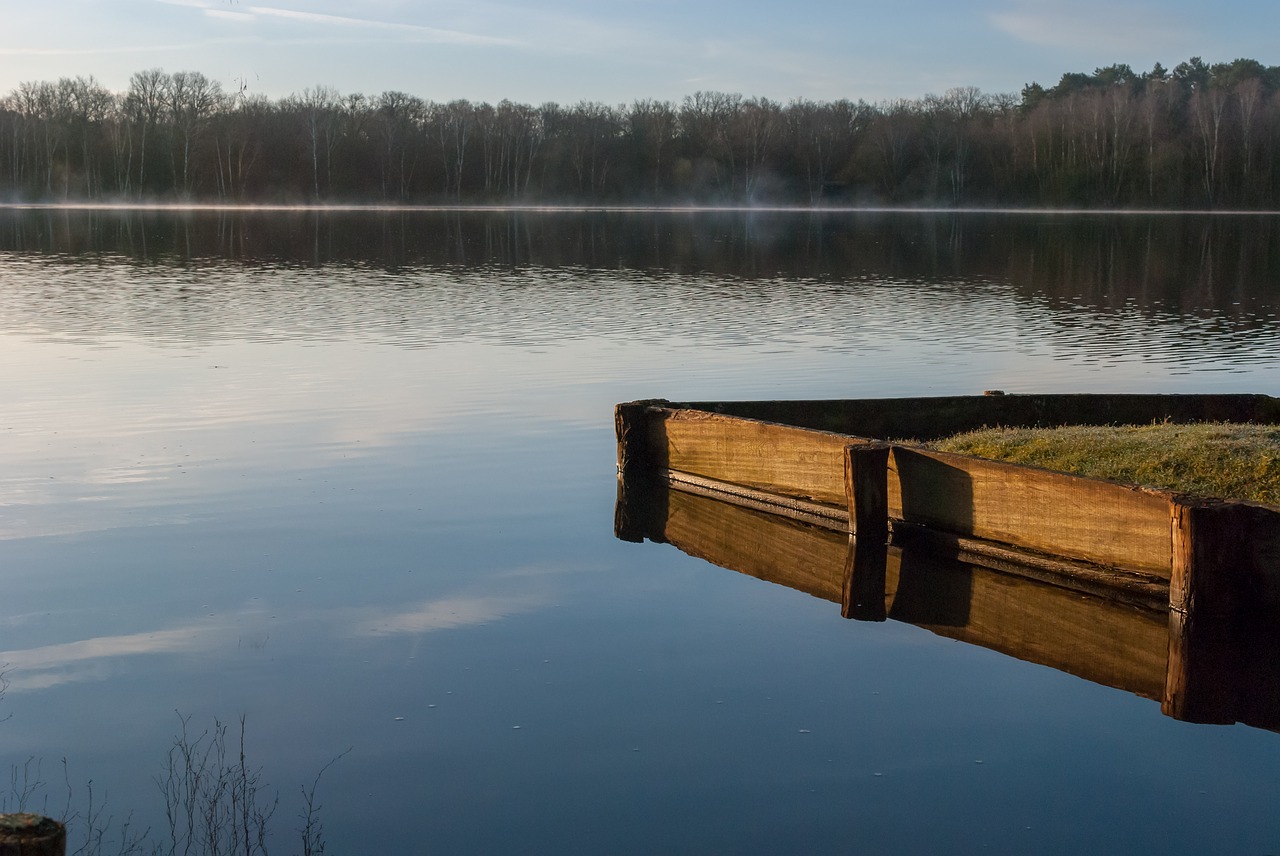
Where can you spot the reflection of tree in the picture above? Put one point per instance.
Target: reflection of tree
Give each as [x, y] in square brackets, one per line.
[216, 803]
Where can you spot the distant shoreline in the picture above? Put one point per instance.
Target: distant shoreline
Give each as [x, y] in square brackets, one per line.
[270, 208]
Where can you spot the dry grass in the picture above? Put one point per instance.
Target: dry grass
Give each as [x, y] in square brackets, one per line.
[1233, 461]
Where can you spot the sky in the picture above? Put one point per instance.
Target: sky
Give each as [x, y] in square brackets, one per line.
[617, 51]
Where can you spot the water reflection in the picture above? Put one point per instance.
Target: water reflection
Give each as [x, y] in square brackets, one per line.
[1190, 292]
[1184, 263]
[1199, 669]
[383, 473]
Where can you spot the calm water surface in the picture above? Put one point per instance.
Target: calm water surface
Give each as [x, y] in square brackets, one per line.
[351, 476]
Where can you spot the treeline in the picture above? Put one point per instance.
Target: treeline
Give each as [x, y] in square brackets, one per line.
[1198, 135]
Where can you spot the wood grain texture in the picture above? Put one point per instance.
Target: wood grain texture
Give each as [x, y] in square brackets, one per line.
[866, 486]
[1079, 518]
[784, 459]
[1028, 508]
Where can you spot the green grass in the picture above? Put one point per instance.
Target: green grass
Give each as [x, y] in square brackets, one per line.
[1232, 461]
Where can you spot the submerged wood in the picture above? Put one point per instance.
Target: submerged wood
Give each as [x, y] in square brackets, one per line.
[1200, 670]
[25, 834]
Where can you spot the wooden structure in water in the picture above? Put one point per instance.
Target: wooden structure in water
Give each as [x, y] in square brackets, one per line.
[1210, 569]
[26, 834]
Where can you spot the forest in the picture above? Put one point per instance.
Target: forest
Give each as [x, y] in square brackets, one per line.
[1199, 135]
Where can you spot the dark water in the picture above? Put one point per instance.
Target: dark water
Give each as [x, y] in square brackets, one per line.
[351, 476]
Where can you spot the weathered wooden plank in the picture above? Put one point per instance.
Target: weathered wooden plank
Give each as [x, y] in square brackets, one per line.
[784, 459]
[940, 416]
[1032, 508]
[1123, 586]
[1028, 508]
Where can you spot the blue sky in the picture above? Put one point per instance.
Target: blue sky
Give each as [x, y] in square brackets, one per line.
[620, 50]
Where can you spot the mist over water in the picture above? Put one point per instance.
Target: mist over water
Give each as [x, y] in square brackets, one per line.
[350, 473]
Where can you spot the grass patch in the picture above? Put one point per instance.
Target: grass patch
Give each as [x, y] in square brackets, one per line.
[1228, 460]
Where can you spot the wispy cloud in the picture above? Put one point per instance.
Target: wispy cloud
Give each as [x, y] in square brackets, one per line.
[29, 669]
[96, 51]
[51, 665]
[418, 32]
[431, 33]
[1091, 25]
[227, 15]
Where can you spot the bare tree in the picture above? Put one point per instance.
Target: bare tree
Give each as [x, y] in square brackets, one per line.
[191, 100]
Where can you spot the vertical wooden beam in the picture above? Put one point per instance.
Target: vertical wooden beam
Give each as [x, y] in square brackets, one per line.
[629, 427]
[25, 834]
[1210, 572]
[866, 477]
[1209, 604]
[866, 487]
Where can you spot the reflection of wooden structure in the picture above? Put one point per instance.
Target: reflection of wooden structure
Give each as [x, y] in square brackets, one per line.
[1185, 590]
[1123, 637]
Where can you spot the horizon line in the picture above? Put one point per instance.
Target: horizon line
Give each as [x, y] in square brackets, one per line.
[269, 208]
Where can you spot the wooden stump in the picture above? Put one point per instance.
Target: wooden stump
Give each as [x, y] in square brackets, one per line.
[26, 834]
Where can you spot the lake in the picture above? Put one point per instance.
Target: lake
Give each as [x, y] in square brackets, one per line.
[349, 476]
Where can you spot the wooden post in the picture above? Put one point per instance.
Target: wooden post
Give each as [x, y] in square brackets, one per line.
[866, 477]
[632, 514]
[1209, 574]
[866, 487]
[26, 834]
[1209, 603]
[629, 426]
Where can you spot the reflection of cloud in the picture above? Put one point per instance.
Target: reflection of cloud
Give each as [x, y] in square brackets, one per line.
[89, 659]
[1088, 25]
[50, 665]
[447, 614]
